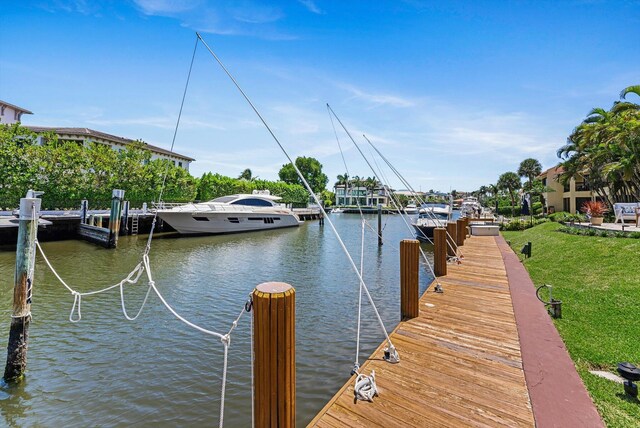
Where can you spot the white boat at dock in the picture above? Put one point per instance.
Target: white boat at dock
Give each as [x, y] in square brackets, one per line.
[229, 214]
[431, 216]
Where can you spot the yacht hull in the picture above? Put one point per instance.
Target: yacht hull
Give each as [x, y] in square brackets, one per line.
[214, 223]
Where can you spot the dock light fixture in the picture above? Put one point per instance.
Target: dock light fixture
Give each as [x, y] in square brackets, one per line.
[631, 374]
[526, 250]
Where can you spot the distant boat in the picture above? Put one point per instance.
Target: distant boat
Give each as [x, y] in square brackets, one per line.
[337, 210]
[411, 209]
[470, 207]
[431, 216]
[229, 214]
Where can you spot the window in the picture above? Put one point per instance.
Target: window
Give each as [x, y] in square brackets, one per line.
[180, 164]
[254, 202]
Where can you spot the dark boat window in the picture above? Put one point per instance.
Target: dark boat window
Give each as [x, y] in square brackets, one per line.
[200, 218]
[255, 218]
[253, 202]
[233, 219]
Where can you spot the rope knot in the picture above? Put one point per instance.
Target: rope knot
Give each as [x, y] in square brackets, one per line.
[226, 340]
[365, 388]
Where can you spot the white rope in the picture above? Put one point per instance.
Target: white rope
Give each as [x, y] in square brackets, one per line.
[365, 388]
[307, 186]
[226, 341]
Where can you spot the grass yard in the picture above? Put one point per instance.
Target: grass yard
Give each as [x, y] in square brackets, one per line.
[598, 281]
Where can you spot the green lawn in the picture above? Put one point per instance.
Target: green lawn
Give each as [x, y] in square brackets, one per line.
[598, 281]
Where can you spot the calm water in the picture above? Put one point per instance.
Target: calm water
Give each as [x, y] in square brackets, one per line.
[107, 371]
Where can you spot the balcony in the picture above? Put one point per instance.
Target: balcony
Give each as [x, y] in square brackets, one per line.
[583, 187]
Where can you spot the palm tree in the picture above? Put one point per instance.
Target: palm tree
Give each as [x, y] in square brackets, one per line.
[247, 175]
[529, 168]
[510, 181]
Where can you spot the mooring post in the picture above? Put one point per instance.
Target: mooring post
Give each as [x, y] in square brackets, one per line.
[409, 278]
[451, 238]
[22, 288]
[84, 207]
[114, 217]
[274, 350]
[379, 225]
[125, 216]
[460, 232]
[440, 251]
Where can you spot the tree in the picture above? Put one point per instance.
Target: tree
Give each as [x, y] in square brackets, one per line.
[247, 175]
[510, 181]
[311, 170]
[529, 168]
[605, 147]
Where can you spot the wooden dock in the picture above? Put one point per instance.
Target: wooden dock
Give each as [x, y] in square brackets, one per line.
[460, 360]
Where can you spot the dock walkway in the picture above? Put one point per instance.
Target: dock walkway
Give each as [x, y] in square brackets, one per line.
[483, 354]
[460, 359]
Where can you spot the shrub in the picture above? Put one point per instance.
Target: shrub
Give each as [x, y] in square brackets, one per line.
[594, 208]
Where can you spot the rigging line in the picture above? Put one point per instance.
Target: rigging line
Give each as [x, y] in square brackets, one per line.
[396, 204]
[347, 169]
[374, 173]
[356, 365]
[173, 142]
[306, 185]
[450, 242]
[346, 189]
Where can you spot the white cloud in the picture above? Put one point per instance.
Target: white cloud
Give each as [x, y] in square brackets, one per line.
[376, 99]
[311, 6]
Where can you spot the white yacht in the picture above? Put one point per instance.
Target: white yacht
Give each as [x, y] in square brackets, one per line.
[229, 214]
[470, 207]
[411, 208]
[431, 216]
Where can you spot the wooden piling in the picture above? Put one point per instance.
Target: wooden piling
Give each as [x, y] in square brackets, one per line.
[460, 232]
[22, 289]
[274, 355]
[379, 225]
[451, 238]
[114, 218]
[440, 251]
[409, 278]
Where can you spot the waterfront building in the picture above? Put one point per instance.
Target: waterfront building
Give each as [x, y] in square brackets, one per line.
[567, 196]
[86, 136]
[10, 114]
[361, 195]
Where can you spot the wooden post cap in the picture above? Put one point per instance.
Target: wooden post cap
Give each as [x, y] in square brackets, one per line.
[273, 287]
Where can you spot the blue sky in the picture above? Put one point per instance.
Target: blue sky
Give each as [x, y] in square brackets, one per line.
[454, 93]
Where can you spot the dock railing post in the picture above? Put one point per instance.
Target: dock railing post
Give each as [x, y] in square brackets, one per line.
[440, 251]
[467, 231]
[460, 232]
[114, 218]
[379, 225]
[22, 288]
[451, 238]
[274, 350]
[409, 278]
[84, 207]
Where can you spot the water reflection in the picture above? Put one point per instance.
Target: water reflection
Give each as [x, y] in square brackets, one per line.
[108, 371]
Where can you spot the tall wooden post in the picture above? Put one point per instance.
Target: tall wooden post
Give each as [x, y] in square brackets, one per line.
[84, 207]
[467, 220]
[379, 225]
[23, 283]
[409, 278]
[451, 238]
[114, 218]
[274, 352]
[460, 233]
[440, 251]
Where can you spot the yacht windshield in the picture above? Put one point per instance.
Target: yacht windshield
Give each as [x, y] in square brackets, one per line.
[224, 199]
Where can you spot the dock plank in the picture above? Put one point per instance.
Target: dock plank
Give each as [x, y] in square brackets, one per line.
[460, 360]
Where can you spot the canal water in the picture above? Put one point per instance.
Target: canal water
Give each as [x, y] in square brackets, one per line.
[107, 371]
